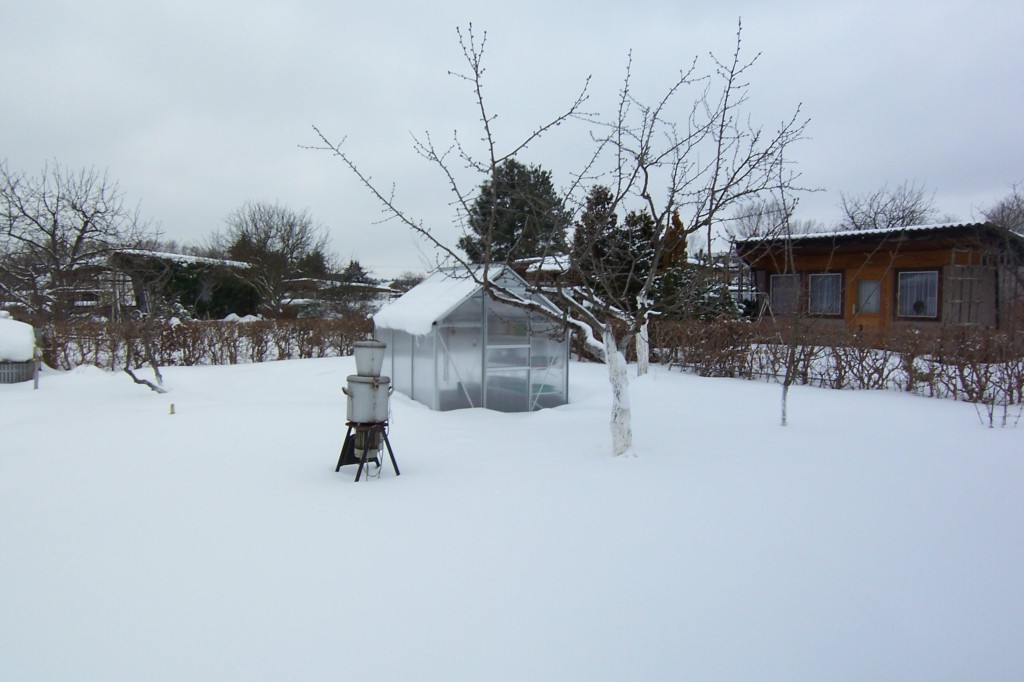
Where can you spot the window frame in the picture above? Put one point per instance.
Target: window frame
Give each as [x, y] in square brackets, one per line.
[839, 303]
[795, 304]
[898, 309]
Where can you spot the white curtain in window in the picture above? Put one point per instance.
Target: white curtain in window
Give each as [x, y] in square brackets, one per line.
[825, 292]
[785, 292]
[919, 294]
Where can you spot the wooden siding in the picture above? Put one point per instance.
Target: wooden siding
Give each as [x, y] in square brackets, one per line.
[967, 295]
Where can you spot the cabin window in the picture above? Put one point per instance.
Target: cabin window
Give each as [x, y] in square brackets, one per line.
[918, 294]
[785, 294]
[869, 299]
[825, 294]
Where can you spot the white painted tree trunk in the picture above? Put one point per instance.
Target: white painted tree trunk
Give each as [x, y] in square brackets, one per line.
[643, 350]
[787, 380]
[622, 429]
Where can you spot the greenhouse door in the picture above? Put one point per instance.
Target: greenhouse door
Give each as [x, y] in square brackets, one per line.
[459, 369]
[506, 358]
[548, 355]
[507, 370]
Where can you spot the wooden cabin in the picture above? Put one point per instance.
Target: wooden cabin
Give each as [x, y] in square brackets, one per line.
[921, 276]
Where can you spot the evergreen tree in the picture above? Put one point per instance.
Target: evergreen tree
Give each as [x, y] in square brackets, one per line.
[407, 280]
[355, 273]
[314, 264]
[614, 259]
[692, 292]
[353, 293]
[517, 214]
[598, 218]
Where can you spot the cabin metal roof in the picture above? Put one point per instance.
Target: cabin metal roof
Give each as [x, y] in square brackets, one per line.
[912, 232]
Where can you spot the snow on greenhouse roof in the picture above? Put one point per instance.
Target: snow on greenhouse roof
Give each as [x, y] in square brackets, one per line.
[417, 310]
[17, 341]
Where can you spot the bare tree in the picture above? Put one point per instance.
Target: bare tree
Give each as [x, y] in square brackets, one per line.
[1008, 212]
[485, 169]
[150, 326]
[677, 177]
[905, 204]
[56, 232]
[765, 218]
[687, 171]
[279, 244]
[769, 245]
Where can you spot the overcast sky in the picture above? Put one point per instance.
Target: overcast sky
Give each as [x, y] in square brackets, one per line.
[197, 106]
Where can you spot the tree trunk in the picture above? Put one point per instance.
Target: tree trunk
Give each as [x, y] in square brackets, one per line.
[643, 350]
[147, 341]
[785, 400]
[622, 430]
[787, 380]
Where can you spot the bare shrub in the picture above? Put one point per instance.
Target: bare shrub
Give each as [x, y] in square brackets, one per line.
[258, 335]
[720, 349]
[283, 335]
[309, 340]
[855, 360]
[970, 364]
[224, 347]
[118, 345]
[187, 343]
[872, 366]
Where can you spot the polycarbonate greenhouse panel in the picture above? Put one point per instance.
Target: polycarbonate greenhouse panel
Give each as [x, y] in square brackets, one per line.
[424, 383]
[508, 390]
[460, 373]
[402, 353]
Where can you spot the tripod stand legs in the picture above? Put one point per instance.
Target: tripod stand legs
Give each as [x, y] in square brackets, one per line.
[391, 453]
[348, 448]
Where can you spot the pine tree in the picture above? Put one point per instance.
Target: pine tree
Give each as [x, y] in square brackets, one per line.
[614, 259]
[517, 214]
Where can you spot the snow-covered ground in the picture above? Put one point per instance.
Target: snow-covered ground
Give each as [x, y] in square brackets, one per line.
[878, 537]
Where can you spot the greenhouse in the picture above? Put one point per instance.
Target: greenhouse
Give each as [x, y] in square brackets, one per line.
[450, 346]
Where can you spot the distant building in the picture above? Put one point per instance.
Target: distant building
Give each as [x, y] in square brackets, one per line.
[920, 276]
[138, 280]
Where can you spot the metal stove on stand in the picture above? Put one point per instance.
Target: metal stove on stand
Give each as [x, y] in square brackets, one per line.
[367, 411]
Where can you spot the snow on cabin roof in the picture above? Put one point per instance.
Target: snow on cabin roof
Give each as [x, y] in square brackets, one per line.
[430, 300]
[183, 259]
[17, 341]
[555, 263]
[935, 227]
